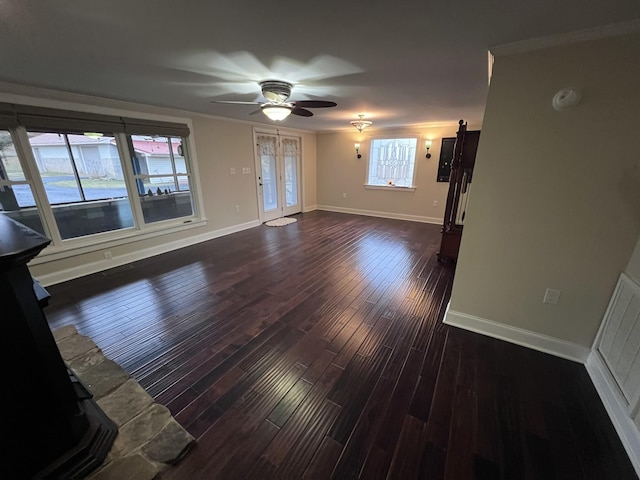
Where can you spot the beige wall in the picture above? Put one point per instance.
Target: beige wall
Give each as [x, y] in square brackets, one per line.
[339, 172]
[219, 146]
[310, 173]
[556, 200]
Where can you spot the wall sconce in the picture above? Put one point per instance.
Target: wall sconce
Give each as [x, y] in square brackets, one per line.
[428, 145]
[357, 145]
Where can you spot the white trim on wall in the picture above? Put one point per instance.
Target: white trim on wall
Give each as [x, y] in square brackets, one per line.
[538, 43]
[116, 261]
[519, 336]
[373, 213]
[309, 208]
[616, 407]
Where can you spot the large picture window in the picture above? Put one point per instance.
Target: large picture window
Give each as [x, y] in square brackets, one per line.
[392, 162]
[72, 175]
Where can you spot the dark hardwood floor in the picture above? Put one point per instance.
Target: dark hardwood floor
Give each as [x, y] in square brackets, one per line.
[317, 350]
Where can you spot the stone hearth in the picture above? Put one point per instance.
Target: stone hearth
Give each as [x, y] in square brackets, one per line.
[149, 439]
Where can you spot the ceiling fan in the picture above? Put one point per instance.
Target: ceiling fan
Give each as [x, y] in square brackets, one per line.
[277, 105]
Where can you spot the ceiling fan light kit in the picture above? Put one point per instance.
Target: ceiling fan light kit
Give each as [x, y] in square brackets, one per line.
[277, 107]
[276, 113]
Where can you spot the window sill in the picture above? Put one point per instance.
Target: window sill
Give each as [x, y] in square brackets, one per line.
[109, 240]
[389, 187]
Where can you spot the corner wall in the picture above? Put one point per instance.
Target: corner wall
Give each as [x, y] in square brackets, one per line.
[556, 200]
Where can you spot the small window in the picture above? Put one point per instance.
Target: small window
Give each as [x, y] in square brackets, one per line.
[392, 162]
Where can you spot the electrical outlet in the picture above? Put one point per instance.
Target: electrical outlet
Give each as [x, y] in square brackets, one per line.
[435, 203]
[232, 171]
[246, 170]
[108, 255]
[551, 296]
[344, 195]
[237, 208]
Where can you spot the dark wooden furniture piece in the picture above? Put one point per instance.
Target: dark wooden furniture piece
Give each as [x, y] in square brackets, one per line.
[51, 427]
[464, 158]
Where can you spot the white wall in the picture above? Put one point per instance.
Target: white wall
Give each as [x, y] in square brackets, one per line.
[556, 199]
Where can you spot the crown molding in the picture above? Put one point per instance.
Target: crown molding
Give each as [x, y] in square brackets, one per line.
[539, 43]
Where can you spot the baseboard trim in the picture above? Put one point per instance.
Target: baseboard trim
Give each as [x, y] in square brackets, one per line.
[374, 213]
[519, 336]
[616, 408]
[116, 261]
[309, 208]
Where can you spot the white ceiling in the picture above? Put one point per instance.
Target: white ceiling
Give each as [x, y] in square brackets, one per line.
[411, 62]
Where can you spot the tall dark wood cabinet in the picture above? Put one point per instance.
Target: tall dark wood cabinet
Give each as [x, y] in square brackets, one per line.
[464, 158]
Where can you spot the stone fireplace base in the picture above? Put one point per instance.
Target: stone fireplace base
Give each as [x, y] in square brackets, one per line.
[149, 439]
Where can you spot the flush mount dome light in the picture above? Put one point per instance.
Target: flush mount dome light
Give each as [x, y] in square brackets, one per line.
[276, 112]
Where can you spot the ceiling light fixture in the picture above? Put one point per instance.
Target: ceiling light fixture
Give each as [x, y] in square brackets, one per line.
[276, 112]
[361, 123]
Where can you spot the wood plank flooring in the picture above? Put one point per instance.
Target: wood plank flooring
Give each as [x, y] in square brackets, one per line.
[317, 350]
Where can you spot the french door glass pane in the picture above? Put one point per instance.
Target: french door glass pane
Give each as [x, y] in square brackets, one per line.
[267, 148]
[291, 171]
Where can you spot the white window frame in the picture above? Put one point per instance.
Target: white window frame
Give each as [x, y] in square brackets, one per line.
[59, 248]
[412, 187]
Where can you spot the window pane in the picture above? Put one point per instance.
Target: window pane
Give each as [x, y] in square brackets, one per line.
[83, 179]
[80, 219]
[27, 215]
[162, 203]
[10, 164]
[16, 200]
[55, 167]
[392, 161]
[161, 177]
[180, 161]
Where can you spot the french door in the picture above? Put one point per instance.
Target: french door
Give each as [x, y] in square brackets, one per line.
[277, 175]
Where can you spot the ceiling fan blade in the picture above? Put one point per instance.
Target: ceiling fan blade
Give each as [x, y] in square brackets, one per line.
[235, 102]
[314, 103]
[301, 111]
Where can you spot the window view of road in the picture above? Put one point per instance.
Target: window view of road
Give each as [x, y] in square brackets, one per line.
[62, 189]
